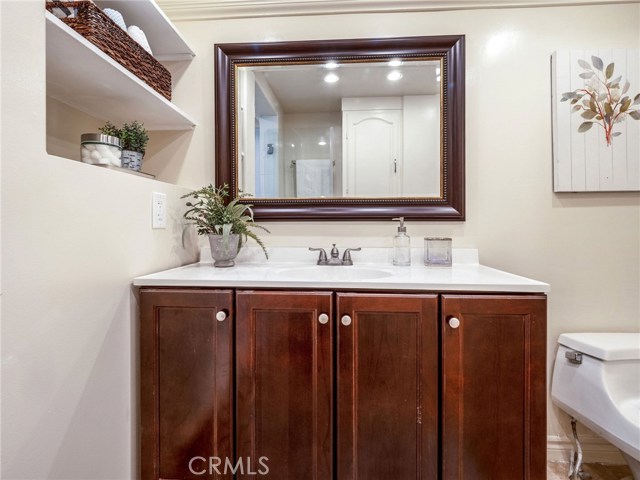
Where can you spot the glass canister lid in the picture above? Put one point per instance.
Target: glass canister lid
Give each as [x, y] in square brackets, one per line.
[100, 138]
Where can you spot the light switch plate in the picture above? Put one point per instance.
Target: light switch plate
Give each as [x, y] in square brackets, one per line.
[159, 210]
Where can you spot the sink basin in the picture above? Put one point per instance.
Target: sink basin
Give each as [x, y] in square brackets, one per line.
[337, 273]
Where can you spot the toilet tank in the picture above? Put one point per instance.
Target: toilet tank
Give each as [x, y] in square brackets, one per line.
[603, 391]
[605, 346]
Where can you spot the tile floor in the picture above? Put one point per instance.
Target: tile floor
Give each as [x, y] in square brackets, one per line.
[597, 471]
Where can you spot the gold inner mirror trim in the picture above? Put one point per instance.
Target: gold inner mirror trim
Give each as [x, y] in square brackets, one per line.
[351, 60]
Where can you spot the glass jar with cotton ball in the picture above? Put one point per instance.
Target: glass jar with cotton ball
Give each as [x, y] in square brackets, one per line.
[101, 149]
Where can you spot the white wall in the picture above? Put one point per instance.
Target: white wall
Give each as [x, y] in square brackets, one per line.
[585, 245]
[74, 235]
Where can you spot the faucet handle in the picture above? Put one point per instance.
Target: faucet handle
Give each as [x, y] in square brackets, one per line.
[346, 257]
[322, 258]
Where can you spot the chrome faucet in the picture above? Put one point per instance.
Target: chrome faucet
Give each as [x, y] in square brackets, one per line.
[335, 256]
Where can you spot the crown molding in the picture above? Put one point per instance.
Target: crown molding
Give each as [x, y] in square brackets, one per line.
[185, 10]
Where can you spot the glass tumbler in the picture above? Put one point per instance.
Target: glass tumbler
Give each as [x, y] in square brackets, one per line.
[437, 252]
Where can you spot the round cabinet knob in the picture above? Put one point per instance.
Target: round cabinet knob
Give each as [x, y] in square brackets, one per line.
[323, 318]
[221, 316]
[346, 320]
[454, 322]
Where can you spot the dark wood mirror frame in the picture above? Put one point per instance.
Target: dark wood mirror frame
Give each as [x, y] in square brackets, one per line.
[449, 48]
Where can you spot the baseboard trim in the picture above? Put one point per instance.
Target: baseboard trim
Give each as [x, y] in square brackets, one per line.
[594, 449]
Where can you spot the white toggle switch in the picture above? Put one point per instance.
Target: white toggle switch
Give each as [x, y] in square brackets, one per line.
[159, 210]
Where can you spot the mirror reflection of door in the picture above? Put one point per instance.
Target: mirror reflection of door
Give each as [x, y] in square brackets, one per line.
[372, 158]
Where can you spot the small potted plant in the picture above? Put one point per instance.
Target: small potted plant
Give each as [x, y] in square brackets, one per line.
[110, 129]
[134, 142]
[226, 224]
[134, 138]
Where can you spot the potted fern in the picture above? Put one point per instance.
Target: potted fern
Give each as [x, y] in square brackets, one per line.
[226, 224]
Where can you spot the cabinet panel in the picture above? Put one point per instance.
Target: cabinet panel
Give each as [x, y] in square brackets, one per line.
[493, 364]
[186, 393]
[387, 387]
[284, 383]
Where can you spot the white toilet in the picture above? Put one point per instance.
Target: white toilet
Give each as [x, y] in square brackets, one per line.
[596, 380]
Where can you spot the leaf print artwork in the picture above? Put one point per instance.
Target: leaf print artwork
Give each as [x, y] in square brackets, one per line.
[603, 101]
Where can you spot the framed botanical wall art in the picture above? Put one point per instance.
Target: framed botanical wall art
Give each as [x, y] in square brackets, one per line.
[596, 120]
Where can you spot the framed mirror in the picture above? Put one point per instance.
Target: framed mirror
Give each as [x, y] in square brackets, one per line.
[343, 129]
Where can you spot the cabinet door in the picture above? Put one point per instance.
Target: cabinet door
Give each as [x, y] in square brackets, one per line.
[186, 382]
[387, 387]
[284, 383]
[494, 394]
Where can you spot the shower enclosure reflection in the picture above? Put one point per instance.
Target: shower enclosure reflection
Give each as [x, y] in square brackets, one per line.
[329, 130]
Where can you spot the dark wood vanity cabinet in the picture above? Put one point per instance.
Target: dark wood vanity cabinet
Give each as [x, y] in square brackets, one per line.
[284, 368]
[350, 395]
[493, 387]
[186, 381]
[387, 386]
[344, 386]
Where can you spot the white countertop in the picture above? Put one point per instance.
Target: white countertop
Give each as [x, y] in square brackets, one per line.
[296, 268]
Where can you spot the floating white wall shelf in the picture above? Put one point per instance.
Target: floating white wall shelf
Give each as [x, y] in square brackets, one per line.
[80, 75]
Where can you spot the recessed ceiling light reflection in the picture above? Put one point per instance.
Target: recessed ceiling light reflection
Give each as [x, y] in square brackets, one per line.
[322, 142]
[394, 76]
[331, 78]
[330, 65]
[396, 62]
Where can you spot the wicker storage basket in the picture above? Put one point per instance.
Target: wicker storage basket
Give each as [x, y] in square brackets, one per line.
[95, 26]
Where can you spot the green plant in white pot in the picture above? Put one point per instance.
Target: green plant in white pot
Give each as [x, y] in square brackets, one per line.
[226, 224]
[134, 143]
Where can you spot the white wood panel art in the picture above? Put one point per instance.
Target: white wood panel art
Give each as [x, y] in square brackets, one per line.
[595, 101]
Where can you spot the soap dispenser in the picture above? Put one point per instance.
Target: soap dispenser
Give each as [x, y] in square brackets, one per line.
[401, 245]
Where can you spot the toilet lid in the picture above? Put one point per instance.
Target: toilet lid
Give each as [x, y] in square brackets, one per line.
[606, 346]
